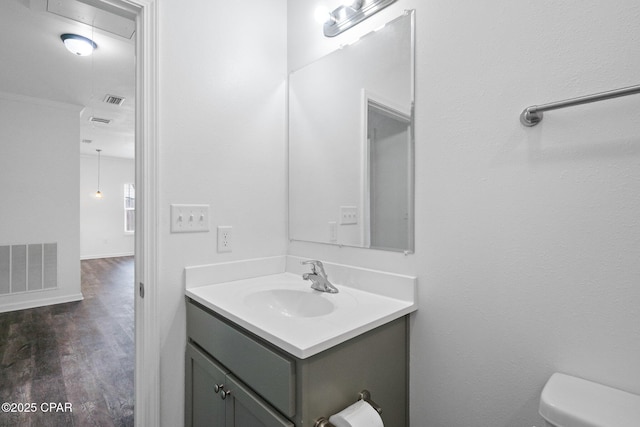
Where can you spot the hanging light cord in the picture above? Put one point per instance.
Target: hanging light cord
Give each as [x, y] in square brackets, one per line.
[98, 169]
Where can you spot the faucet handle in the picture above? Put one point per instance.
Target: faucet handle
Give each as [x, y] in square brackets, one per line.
[315, 264]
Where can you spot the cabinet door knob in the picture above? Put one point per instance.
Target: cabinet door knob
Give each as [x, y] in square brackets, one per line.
[224, 394]
[218, 387]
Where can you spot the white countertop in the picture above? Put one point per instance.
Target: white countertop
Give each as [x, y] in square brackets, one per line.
[354, 312]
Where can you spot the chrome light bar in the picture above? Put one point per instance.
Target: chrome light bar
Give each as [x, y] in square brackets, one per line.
[346, 16]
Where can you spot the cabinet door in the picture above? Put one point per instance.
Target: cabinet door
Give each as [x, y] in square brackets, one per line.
[203, 406]
[245, 409]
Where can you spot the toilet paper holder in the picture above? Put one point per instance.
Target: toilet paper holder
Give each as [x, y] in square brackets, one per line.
[363, 395]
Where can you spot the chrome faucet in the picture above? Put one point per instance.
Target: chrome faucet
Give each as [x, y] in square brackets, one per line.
[319, 280]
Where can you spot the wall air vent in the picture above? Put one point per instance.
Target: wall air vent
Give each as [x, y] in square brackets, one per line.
[114, 100]
[87, 141]
[99, 120]
[28, 267]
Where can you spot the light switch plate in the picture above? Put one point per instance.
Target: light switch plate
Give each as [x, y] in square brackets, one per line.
[348, 215]
[189, 218]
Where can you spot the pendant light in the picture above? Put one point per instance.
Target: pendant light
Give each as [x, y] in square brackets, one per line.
[98, 193]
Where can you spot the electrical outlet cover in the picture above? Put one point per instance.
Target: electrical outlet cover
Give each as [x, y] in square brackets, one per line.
[225, 238]
[333, 231]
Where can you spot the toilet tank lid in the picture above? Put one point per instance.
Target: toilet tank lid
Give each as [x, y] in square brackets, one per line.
[568, 401]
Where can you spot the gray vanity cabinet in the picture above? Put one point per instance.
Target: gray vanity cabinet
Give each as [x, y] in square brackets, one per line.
[264, 386]
[215, 398]
[245, 409]
[203, 375]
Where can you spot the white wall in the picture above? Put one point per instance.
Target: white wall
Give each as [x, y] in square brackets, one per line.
[222, 142]
[39, 178]
[102, 220]
[527, 240]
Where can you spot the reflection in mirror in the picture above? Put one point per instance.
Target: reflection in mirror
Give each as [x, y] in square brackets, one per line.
[351, 146]
[388, 198]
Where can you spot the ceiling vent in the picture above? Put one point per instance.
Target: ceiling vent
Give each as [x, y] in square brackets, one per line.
[114, 100]
[99, 120]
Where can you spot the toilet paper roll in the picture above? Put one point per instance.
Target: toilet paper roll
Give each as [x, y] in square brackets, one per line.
[360, 414]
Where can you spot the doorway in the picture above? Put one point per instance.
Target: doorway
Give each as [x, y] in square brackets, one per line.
[146, 335]
[388, 177]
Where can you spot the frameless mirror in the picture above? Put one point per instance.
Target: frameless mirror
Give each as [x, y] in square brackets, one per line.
[351, 145]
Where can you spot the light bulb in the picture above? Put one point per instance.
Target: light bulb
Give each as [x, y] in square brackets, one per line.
[98, 195]
[355, 4]
[322, 14]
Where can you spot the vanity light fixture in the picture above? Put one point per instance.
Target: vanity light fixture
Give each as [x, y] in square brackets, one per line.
[98, 193]
[322, 15]
[78, 45]
[350, 14]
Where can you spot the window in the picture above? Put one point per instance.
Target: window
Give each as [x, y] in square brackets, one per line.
[129, 208]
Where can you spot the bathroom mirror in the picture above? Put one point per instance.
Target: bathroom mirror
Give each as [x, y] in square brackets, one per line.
[351, 145]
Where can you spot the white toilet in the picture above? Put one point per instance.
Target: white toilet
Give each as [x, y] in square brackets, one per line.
[568, 401]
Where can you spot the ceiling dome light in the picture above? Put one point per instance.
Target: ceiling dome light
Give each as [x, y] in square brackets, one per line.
[78, 45]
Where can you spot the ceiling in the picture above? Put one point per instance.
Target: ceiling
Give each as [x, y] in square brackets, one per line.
[35, 63]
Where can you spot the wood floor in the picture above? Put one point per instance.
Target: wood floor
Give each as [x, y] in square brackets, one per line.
[80, 353]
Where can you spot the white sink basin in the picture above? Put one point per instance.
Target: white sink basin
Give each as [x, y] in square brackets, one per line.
[290, 303]
[284, 310]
